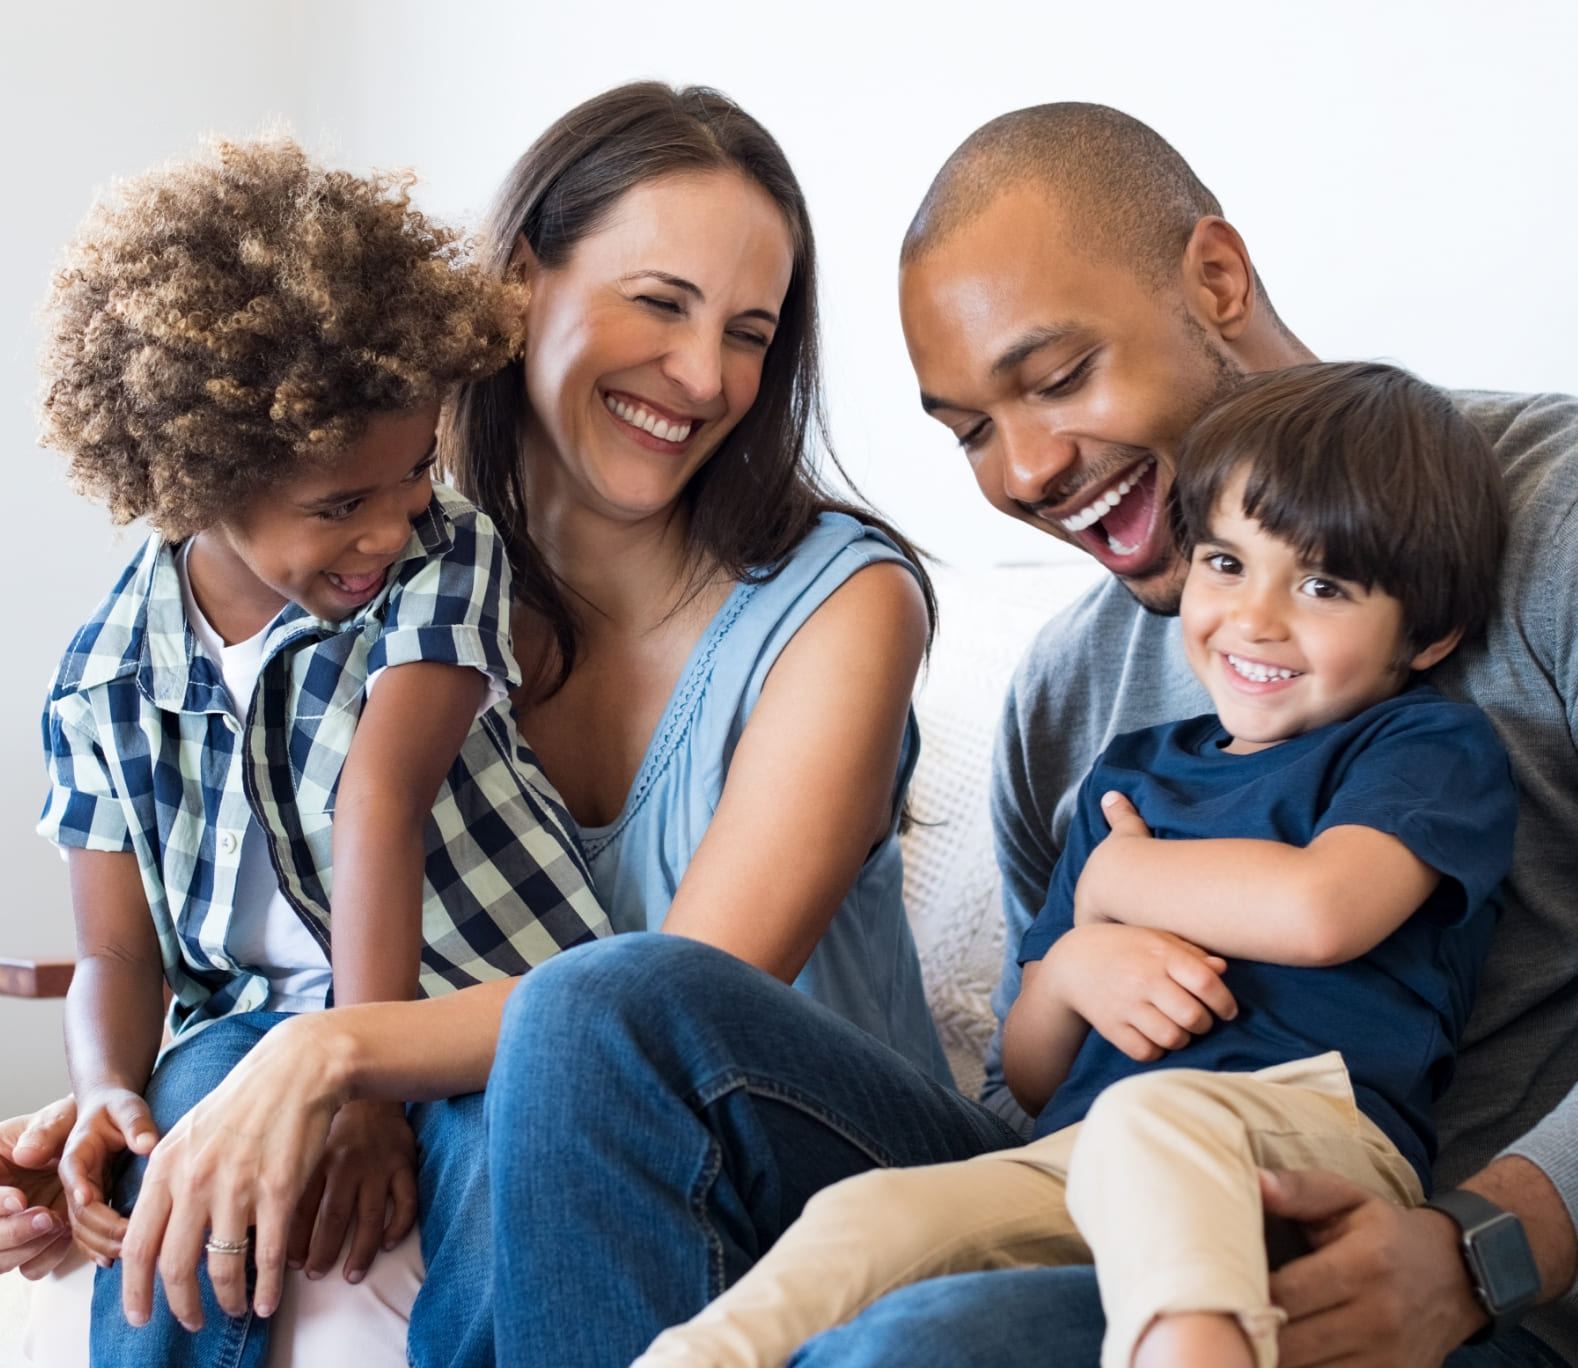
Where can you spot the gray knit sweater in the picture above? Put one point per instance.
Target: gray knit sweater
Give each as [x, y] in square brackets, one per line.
[1106, 666]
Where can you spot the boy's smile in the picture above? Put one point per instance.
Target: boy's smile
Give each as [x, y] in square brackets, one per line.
[325, 540]
[1282, 646]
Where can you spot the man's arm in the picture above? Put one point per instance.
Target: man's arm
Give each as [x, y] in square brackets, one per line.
[1388, 1286]
[1255, 899]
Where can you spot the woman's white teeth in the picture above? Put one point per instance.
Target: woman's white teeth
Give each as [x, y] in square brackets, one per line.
[637, 416]
[1261, 674]
[1099, 508]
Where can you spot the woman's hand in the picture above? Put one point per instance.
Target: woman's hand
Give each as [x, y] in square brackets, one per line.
[365, 1183]
[34, 1231]
[109, 1120]
[238, 1161]
[1147, 992]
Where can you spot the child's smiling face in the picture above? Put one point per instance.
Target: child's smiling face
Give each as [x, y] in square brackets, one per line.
[325, 540]
[1283, 646]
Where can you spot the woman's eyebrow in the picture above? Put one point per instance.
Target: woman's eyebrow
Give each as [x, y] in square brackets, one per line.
[694, 290]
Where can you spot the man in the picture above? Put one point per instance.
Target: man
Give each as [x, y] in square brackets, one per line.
[1071, 297]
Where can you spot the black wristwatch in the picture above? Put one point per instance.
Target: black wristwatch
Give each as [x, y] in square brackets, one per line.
[1496, 1253]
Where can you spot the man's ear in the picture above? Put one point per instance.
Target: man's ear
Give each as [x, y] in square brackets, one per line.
[1437, 651]
[1219, 281]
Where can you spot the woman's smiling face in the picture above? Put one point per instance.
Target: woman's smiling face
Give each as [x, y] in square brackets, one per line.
[645, 347]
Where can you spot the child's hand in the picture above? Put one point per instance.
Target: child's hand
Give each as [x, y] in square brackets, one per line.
[1102, 876]
[34, 1231]
[1147, 992]
[368, 1166]
[108, 1121]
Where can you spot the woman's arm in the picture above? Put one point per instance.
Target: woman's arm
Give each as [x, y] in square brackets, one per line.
[810, 788]
[243, 1155]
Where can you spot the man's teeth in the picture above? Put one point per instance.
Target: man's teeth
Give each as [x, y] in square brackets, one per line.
[1261, 674]
[637, 416]
[1098, 509]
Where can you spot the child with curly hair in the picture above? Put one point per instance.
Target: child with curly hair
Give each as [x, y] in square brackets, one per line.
[283, 766]
[1265, 931]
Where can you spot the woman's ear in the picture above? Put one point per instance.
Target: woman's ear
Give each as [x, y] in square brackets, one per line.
[523, 265]
[1437, 651]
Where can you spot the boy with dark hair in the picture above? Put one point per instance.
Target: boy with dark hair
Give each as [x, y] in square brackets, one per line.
[294, 701]
[1221, 999]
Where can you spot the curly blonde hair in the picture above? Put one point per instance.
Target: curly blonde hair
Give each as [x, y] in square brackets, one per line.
[221, 323]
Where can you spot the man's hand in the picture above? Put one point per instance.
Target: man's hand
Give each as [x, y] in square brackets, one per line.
[366, 1183]
[1104, 869]
[1384, 1286]
[108, 1121]
[34, 1230]
[1147, 992]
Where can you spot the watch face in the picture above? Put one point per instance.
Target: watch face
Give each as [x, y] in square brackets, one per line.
[1507, 1273]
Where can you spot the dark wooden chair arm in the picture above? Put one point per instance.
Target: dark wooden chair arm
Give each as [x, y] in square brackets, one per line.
[35, 978]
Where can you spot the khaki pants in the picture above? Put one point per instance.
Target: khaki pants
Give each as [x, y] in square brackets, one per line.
[1156, 1186]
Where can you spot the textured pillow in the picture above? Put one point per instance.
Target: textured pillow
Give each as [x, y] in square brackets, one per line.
[951, 884]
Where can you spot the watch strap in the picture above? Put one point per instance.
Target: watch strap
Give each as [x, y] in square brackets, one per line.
[1496, 1253]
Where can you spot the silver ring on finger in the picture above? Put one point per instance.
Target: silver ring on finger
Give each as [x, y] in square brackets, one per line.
[217, 1246]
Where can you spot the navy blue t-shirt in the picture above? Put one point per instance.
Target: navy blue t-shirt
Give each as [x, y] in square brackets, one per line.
[1420, 768]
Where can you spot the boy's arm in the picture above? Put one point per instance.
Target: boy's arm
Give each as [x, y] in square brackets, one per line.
[1320, 904]
[1146, 992]
[407, 738]
[114, 1010]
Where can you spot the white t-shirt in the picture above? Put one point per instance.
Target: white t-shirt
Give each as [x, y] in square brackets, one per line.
[266, 935]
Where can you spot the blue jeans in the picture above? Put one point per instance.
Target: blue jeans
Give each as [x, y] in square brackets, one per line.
[451, 1322]
[658, 1113]
[1032, 1318]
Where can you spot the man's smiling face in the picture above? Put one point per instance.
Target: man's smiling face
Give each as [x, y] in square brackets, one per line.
[1067, 380]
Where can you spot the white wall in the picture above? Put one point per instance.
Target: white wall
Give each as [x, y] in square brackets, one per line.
[1403, 173]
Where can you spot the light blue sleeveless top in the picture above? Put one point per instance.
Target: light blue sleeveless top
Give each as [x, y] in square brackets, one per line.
[865, 967]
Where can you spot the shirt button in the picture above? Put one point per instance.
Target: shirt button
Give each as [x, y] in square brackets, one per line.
[228, 843]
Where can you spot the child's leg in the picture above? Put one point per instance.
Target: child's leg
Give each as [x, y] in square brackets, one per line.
[869, 1234]
[1162, 1185]
[452, 1317]
[185, 1076]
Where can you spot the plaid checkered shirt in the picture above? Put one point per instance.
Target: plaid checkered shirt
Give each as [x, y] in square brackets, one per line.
[146, 755]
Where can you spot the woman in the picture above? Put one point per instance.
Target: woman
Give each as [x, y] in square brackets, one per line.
[719, 655]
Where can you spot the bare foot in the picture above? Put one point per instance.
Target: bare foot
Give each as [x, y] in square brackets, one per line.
[1194, 1339]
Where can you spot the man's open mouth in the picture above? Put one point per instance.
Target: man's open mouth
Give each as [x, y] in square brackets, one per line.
[1121, 518]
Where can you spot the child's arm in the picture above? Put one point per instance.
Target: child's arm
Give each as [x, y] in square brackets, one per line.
[406, 739]
[1320, 904]
[1145, 991]
[114, 1011]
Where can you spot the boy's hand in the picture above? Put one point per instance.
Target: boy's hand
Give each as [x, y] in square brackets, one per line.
[1147, 992]
[34, 1231]
[368, 1166]
[1102, 876]
[108, 1121]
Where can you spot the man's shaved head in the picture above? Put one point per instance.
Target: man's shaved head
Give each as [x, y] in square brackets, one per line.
[1126, 194]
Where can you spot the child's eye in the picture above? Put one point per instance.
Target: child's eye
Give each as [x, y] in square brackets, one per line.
[1317, 587]
[421, 470]
[339, 512]
[1222, 563]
